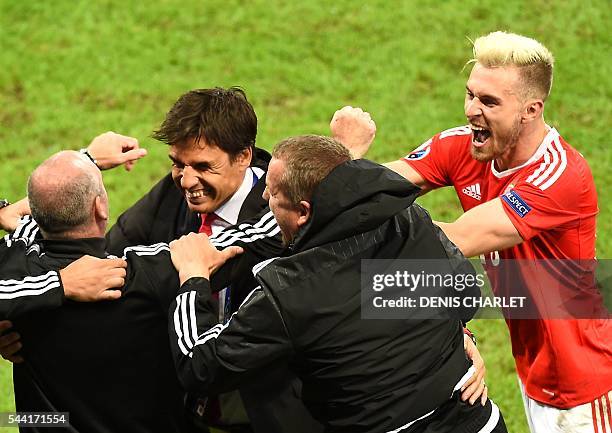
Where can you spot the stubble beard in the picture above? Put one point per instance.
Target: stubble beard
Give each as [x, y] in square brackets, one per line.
[503, 144]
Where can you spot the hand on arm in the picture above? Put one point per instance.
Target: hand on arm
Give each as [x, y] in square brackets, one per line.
[475, 388]
[354, 128]
[9, 343]
[194, 256]
[482, 229]
[111, 149]
[9, 215]
[89, 279]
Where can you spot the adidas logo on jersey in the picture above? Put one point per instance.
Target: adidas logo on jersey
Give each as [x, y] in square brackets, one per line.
[473, 191]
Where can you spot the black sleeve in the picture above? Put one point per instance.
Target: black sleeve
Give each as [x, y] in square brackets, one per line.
[25, 288]
[460, 265]
[150, 268]
[161, 215]
[211, 357]
[261, 239]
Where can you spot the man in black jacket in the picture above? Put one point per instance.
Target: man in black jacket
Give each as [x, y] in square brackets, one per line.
[216, 172]
[358, 375]
[108, 363]
[217, 180]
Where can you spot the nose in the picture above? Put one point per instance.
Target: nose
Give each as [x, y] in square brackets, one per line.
[266, 194]
[189, 178]
[473, 107]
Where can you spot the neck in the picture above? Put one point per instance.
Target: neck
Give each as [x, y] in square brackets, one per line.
[92, 231]
[528, 142]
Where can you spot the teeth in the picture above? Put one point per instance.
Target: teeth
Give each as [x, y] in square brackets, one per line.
[195, 194]
[476, 128]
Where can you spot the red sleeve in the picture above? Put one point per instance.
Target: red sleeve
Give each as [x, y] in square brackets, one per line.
[558, 199]
[436, 159]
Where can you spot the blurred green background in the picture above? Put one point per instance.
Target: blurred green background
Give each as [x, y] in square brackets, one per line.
[73, 69]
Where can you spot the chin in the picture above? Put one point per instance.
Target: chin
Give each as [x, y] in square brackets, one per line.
[481, 154]
[198, 208]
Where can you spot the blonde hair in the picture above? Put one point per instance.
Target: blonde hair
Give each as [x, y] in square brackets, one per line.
[534, 60]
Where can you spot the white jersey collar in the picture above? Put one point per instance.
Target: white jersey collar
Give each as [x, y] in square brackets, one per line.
[540, 151]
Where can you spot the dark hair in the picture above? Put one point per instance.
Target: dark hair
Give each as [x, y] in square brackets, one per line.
[308, 160]
[222, 117]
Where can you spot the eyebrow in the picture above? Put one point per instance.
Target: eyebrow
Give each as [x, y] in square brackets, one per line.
[485, 96]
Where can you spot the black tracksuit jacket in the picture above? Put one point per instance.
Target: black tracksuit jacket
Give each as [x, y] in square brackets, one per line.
[273, 401]
[107, 363]
[358, 375]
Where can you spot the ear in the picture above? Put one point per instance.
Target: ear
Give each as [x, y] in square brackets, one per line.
[243, 159]
[304, 210]
[101, 208]
[532, 110]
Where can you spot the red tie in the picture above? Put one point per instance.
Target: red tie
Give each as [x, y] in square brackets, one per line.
[207, 220]
[208, 408]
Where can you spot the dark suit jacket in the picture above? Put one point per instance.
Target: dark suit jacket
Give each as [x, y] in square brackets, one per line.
[273, 402]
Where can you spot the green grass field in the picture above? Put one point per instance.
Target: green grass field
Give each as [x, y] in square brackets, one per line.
[73, 69]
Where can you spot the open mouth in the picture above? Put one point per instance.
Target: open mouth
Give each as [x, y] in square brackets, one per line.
[479, 135]
[199, 194]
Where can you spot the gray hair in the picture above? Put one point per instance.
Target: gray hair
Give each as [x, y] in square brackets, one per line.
[62, 202]
[308, 160]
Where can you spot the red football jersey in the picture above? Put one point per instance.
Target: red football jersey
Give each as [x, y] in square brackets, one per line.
[552, 202]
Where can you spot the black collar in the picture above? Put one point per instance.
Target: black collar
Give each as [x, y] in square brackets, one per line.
[75, 247]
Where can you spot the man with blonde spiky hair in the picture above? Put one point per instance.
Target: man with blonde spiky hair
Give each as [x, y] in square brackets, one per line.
[530, 212]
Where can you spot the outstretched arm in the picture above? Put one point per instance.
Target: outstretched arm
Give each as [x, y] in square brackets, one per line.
[482, 229]
[355, 129]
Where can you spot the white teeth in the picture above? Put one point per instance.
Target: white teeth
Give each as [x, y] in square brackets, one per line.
[195, 194]
[476, 128]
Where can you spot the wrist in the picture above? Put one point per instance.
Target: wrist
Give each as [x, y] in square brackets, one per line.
[199, 284]
[186, 274]
[65, 284]
[88, 155]
[470, 335]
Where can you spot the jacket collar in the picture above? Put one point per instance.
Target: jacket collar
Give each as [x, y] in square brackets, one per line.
[75, 247]
[355, 197]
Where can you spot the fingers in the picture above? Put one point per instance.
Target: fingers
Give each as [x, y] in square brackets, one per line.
[4, 325]
[109, 295]
[7, 340]
[473, 378]
[478, 392]
[15, 359]
[111, 149]
[130, 157]
[114, 272]
[347, 111]
[85, 278]
[126, 141]
[485, 395]
[473, 388]
[116, 263]
[230, 252]
[10, 344]
[10, 351]
[114, 282]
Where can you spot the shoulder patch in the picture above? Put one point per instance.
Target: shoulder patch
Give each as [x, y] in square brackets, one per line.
[517, 204]
[420, 152]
